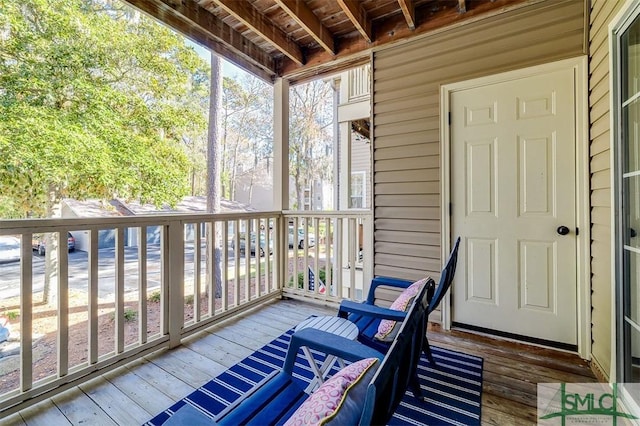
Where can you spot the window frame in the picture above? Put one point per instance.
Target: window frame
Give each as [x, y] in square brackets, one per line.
[619, 26]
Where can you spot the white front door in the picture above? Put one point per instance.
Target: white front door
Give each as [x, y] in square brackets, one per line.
[512, 187]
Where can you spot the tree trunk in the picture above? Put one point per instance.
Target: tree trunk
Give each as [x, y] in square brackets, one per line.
[50, 287]
[214, 236]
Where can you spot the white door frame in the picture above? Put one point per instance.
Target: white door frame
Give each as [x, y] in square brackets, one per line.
[583, 272]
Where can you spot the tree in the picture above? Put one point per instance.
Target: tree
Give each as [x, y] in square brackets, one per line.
[310, 135]
[91, 105]
[247, 129]
[214, 238]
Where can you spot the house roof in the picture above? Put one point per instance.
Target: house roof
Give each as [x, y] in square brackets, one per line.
[191, 204]
[303, 39]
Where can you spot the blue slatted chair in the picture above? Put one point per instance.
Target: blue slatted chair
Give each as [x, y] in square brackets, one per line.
[276, 398]
[367, 315]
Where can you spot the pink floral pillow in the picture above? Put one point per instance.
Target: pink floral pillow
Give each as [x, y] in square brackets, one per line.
[388, 329]
[339, 401]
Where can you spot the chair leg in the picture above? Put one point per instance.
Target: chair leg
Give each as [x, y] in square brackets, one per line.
[414, 385]
[427, 351]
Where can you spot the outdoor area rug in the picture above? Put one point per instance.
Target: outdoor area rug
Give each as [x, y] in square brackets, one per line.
[453, 389]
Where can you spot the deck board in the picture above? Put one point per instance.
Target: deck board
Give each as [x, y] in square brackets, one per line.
[139, 391]
[122, 409]
[151, 384]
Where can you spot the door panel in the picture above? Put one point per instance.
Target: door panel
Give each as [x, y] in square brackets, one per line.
[512, 185]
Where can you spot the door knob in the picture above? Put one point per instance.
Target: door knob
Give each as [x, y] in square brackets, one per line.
[562, 230]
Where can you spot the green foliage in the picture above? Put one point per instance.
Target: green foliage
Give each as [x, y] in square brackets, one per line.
[11, 315]
[130, 315]
[96, 102]
[322, 274]
[154, 297]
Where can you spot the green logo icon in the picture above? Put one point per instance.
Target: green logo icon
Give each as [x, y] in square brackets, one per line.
[581, 403]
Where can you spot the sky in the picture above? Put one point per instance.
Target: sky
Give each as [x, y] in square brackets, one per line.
[228, 69]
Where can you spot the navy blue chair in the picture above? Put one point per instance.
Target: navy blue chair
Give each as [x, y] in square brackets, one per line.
[367, 315]
[279, 395]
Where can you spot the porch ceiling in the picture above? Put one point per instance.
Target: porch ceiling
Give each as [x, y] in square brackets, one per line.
[300, 39]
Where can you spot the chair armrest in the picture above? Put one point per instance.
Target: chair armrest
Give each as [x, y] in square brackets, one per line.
[370, 311]
[388, 281]
[328, 343]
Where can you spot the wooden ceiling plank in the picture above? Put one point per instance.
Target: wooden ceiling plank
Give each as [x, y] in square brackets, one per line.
[259, 24]
[305, 17]
[358, 16]
[202, 27]
[356, 51]
[409, 12]
[462, 6]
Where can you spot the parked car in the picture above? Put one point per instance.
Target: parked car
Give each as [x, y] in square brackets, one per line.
[38, 243]
[300, 241]
[9, 249]
[252, 238]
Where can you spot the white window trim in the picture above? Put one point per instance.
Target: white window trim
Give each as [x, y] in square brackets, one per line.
[628, 13]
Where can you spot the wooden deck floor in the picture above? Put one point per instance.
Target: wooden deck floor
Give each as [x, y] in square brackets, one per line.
[135, 393]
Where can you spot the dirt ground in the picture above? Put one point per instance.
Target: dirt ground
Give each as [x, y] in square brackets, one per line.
[45, 345]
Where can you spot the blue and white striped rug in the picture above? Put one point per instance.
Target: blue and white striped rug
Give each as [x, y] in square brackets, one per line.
[453, 389]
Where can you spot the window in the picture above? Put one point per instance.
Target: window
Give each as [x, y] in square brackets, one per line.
[358, 190]
[626, 146]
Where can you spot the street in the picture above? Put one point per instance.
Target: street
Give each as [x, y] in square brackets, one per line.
[78, 270]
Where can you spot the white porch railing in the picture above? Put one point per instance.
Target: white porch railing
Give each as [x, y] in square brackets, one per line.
[359, 82]
[155, 284]
[340, 258]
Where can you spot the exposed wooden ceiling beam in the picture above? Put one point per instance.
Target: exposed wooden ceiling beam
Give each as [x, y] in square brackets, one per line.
[305, 17]
[358, 16]
[409, 12]
[356, 51]
[462, 6]
[202, 27]
[249, 16]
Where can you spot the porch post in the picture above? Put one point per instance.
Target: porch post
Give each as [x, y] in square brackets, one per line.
[281, 171]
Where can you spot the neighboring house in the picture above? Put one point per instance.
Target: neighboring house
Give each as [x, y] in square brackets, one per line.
[96, 208]
[254, 187]
[353, 150]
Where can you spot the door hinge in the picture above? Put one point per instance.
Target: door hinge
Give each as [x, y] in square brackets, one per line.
[577, 231]
[449, 118]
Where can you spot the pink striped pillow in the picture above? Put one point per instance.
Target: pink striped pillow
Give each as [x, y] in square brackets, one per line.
[388, 329]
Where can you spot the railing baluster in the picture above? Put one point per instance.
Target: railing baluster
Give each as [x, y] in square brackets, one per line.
[26, 313]
[63, 304]
[119, 290]
[196, 272]
[225, 246]
[142, 285]
[294, 244]
[262, 223]
[328, 247]
[337, 244]
[175, 259]
[352, 258]
[211, 272]
[93, 296]
[316, 255]
[247, 260]
[164, 282]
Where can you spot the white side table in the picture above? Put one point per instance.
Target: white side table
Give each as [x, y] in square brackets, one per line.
[331, 324]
